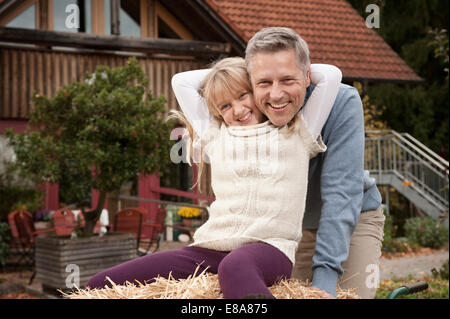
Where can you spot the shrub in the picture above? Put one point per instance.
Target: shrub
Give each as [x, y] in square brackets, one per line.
[426, 232]
[390, 243]
[19, 197]
[4, 243]
[442, 273]
[17, 193]
[389, 228]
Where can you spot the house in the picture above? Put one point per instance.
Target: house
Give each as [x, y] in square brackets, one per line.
[43, 46]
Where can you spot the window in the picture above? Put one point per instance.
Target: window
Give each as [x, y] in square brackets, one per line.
[129, 18]
[124, 17]
[107, 17]
[27, 19]
[75, 18]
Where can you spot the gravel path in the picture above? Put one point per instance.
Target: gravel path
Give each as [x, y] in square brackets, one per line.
[418, 266]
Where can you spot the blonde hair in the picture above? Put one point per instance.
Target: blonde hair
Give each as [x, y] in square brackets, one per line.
[179, 116]
[228, 77]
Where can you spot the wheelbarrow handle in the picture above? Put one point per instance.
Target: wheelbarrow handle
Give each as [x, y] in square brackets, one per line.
[416, 287]
[408, 289]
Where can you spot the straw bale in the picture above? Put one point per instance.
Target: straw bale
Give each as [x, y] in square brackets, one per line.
[202, 286]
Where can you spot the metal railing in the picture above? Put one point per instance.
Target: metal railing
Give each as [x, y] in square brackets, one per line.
[390, 153]
[156, 201]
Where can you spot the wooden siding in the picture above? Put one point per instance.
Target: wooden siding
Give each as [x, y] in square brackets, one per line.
[23, 71]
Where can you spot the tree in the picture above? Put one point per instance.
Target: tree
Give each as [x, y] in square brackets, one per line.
[98, 134]
[372, 113]
[416, 30]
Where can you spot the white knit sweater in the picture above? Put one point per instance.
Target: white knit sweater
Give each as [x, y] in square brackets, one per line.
[259, 177]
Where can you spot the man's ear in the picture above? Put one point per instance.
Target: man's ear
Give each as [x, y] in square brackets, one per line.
[308, 76]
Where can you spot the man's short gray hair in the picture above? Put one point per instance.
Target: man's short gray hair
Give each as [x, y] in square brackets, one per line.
[275, 39]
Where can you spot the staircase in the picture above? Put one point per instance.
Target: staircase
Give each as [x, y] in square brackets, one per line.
[398, 160]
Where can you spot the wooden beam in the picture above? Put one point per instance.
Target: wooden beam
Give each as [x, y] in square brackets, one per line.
[114, 42]
[148, 19]
[172, 22]
[98, 16]
[42, 20]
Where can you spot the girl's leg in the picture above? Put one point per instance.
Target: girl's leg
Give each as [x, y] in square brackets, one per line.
[181, 262]
[250, 269]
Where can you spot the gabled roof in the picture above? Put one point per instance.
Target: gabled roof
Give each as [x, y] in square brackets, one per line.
[335, 32]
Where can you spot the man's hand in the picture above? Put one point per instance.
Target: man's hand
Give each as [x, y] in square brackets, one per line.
[322, 293]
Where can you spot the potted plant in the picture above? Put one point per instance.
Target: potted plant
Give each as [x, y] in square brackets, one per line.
[94, 134]
[190, 216]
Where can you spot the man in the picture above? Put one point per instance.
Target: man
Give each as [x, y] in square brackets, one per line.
[343, 223]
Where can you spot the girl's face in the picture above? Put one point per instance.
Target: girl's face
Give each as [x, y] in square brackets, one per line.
[240, 110]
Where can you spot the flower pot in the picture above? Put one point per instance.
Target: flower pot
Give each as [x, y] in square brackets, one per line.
[192, 222]
[41, 225]
[187, 222]
[62, 262]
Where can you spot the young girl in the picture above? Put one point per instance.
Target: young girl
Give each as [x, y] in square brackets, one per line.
[259, 174]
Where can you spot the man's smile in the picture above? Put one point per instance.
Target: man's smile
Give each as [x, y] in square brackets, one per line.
[278, 106]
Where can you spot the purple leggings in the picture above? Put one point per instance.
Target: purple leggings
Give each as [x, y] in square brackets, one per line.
[249, 269]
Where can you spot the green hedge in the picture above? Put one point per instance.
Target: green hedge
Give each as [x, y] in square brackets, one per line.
[426, 232]
[11, 197]
[4, 242]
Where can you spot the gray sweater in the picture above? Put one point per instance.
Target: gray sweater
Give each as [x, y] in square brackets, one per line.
[338, 188]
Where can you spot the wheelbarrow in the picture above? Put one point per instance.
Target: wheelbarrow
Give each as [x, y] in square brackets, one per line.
[408, 289]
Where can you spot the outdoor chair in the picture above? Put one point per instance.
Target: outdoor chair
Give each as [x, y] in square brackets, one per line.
[148, 233]
[129, 220]
[63, 222]
[156, 231]
[23, 236]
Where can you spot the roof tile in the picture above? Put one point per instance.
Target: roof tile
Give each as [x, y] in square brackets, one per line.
[335, 32]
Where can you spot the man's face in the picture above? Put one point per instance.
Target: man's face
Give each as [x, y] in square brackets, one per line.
[279, 85]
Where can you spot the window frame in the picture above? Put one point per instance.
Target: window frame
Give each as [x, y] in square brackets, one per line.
[15, 12]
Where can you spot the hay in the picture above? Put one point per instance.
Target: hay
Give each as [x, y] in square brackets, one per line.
[202, 286]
